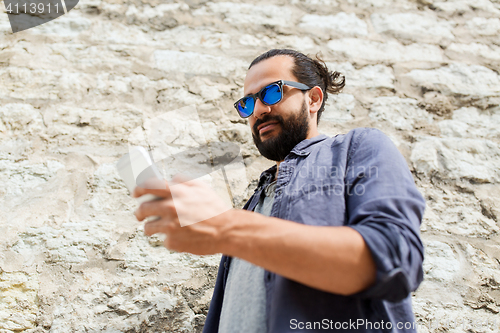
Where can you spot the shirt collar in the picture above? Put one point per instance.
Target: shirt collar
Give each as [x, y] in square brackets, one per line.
[303, 148]
[267, 176]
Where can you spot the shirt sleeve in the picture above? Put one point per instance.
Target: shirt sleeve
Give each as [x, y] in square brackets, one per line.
[384, 205]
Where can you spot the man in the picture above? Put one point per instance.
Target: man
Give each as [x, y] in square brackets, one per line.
[330, 238]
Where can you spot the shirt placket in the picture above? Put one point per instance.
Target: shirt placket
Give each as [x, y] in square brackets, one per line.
[284, 175]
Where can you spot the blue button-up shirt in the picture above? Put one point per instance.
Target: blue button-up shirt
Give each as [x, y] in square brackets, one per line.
[359, 180]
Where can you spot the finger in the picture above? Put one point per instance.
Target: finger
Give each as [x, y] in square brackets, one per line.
[163, 208]
[163, 192]
[163, 225]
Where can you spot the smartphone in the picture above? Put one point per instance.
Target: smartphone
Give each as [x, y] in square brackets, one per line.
[137, 169]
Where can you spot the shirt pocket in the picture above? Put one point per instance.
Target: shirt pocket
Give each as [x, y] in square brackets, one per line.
[318, 201]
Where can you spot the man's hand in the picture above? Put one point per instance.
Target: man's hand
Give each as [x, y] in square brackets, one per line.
[333, 259]
[191, 215]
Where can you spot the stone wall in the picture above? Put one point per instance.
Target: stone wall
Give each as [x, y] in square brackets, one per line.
[74, 259]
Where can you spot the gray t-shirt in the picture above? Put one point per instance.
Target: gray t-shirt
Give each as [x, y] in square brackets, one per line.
[244, 304]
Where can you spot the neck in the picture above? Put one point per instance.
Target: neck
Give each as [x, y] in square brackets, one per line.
[312, 133]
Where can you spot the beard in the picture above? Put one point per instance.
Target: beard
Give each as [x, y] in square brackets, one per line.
[294, 129]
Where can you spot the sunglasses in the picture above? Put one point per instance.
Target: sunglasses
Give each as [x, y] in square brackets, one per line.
[269, 95]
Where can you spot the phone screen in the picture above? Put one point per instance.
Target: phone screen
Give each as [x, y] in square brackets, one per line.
[137, 169]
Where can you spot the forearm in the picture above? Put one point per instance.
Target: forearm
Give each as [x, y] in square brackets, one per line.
[333, 259]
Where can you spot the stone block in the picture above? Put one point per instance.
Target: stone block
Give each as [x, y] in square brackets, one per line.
[412, 27]
[457, 158]
[482, 26]
[198, 63]
[338, 108]
[470, 122]
[19, 308]
[341, 23]
[440, 262]
[365, 51]
[401, 113]
[487, 55]
[239, 14]
[456, 80]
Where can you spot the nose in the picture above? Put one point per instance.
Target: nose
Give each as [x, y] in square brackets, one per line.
[260, 109]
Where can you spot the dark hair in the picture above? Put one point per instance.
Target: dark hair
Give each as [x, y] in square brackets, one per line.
[311, 72]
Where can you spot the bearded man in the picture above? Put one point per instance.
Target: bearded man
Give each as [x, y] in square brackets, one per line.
[330, 238]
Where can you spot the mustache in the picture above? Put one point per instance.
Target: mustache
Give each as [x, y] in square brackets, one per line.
[267, 118]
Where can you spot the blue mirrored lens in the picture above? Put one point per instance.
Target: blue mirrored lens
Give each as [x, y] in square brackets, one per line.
[271, 95]
[246, 106]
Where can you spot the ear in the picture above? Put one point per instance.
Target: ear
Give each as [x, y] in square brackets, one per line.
[315, 99]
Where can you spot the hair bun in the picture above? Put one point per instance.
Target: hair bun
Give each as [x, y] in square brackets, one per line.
[335, 82]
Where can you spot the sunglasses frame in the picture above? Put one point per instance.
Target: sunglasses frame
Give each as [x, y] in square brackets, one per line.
[280, 83]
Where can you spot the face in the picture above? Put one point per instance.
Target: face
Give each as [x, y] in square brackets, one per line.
[290, 132]
[276, 129]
